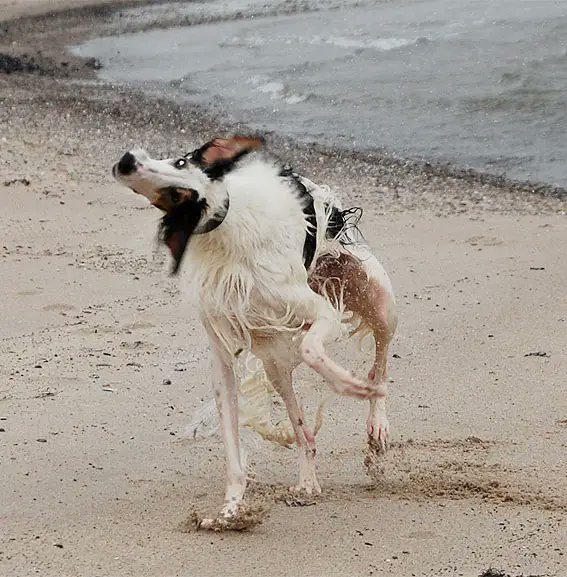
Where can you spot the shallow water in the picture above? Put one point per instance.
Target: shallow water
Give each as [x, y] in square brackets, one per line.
[480, 83]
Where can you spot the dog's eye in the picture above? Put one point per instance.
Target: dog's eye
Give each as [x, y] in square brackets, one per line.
[180, 163]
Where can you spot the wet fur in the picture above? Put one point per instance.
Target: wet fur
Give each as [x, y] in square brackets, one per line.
[276, 269]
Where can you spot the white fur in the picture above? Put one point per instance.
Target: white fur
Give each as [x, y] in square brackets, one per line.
[254, 298]
[249, 272]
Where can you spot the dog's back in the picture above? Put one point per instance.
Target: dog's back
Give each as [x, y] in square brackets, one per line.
[252, 272]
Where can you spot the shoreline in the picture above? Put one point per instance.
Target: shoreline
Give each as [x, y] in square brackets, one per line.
[11, 10]
[397, 172]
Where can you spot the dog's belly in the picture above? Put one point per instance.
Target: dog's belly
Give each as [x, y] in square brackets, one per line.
[278, 345]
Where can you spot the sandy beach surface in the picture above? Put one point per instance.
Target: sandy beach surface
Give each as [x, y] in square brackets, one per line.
[103, 363]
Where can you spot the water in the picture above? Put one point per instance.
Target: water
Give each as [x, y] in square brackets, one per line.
[480, 83]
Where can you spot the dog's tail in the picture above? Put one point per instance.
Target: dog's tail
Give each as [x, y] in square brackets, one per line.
[256, 406]
[258, 411]
[255, 410]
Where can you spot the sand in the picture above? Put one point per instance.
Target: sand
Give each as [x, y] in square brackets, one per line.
[102, 364]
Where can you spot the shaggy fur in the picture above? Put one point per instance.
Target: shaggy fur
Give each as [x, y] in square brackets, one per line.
[276, 271]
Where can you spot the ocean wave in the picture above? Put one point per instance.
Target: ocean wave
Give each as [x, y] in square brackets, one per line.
[381, 44]
[277, 90]
[348, 42]
[247, 41]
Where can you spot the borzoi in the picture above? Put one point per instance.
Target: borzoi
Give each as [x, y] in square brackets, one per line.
[278, 272]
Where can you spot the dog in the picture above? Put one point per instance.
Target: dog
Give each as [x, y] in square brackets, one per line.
[279, 270]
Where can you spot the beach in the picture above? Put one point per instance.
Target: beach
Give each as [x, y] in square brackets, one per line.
[103, 362]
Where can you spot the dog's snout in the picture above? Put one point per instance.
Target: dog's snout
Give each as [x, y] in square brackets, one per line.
[127, 164]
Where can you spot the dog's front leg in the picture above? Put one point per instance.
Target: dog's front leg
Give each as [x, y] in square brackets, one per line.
[343, 382]
[224, 387]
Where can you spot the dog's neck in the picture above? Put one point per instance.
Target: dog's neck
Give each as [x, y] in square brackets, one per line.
[263, 219]
[215, 219]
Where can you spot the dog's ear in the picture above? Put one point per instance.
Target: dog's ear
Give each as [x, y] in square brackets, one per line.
[218, 156]
[177, 241]
[178, 225]
[229, 149]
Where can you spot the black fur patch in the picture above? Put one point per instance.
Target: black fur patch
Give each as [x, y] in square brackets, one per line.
[310, 244]
[197, 155]
[217, 170]
[341, 222]
[177, 226]
[336, 224]
[345, 222]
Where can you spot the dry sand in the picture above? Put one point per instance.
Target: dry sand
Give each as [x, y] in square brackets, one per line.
[102, 365]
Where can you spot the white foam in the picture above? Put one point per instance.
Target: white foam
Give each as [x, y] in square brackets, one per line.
[247, 41]
[276, 90]
[295, 98]
[382, 44]
[349, 42]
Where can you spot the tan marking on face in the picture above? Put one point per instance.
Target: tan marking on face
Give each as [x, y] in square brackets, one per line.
[169, 197]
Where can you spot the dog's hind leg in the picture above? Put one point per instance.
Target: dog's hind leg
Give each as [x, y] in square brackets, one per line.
[366, 292]
[368, 295]
[280, 378]
[377, 425]
[343, 382]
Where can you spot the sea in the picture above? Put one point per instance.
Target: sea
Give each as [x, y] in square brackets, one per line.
[476, 83]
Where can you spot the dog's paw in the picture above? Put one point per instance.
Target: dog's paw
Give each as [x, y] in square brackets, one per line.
[246, 517]
[306, 488]
[378, 434]
[373, 459]
[294, 499]
[351, 386]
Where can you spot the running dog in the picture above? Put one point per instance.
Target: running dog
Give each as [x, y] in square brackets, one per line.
[278, 269]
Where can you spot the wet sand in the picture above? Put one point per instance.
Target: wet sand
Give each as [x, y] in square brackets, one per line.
[103, 363]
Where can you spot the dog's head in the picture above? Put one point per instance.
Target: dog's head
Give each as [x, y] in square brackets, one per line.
[183, 187]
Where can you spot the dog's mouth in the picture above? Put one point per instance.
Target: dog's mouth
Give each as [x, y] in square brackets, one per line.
[116, 173]
[166, 198]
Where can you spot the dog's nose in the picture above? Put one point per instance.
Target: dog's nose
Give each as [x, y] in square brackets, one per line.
[127, 164]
